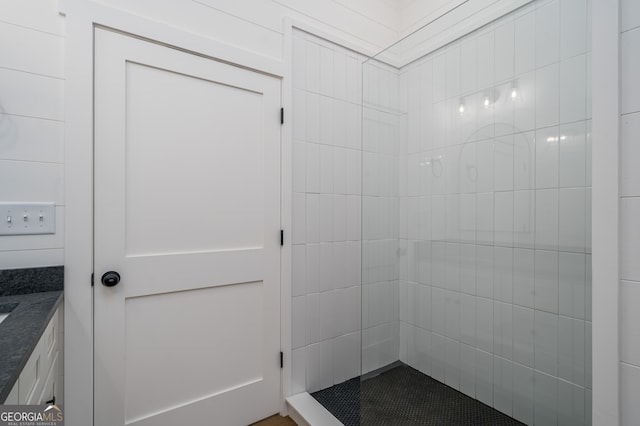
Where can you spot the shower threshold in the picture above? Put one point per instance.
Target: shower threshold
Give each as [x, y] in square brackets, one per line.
[402, 396]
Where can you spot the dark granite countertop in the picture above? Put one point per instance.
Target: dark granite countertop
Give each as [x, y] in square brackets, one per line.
[31, 296]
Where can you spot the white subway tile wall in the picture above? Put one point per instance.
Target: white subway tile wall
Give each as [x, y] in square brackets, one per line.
[327, 167]
[494, 213]
[32, 124]
[629, 211]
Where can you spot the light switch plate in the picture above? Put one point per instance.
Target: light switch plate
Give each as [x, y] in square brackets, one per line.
[27, 218]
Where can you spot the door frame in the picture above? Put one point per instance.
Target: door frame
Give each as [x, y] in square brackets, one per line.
[82, 17]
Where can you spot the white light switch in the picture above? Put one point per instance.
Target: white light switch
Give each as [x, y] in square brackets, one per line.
[27, 218]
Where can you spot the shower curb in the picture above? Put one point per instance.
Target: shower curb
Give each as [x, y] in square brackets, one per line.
[306, 411]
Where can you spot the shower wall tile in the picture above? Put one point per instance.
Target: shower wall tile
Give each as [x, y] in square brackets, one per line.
[547, 96]
[437, 349]
[326, 234]
[629, 153]
[486, 60]
[312, 168]
[629, 247]
[523, 393]
[468, 268]
[546, 281]
[629, 69]
[468, 319]
[298, 370]
[546, 399]
[312, 69]
[629, 317]
[299, 221]
[299, 170]
[298, 315]
[484, 377]
[546, 342]
[467, 370]
[469, 66]
[437, 310]
[573, 27]
[452, 363]
[572, 285]
[546, 231]
[523, 277]
[629, 389]
[504, 50]
[546, 158]
[525, 43]
[572, 89]
[571, 404]
[503, 385]
[572, 219]
[485, 218]
[524, 118]
[299, 260]
[484, 324]
[503, 274]
[547, 33]
[484, 271]
[571, 357]
[523, 335]
[504, 216]
[524, 219]
[452, 314]
[573, 155]
[503, 330]
[453, 71]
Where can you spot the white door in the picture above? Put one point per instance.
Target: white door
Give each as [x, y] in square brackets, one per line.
[187, 196]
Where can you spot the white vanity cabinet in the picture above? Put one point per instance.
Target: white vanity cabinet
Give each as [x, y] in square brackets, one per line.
[42, 376]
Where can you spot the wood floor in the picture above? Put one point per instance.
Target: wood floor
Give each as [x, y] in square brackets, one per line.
[275, 420]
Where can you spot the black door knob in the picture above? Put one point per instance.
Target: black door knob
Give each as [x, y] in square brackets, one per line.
[110, 279]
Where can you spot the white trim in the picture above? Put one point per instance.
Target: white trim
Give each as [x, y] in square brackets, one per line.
[605, 212]
[78, 313]
[286, 194]
[332, 37]
[162, 33]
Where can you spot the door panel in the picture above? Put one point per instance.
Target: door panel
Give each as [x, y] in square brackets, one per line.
[174, 151]
[187, 196]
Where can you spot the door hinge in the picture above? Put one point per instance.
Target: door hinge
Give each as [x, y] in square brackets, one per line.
[92, 279]
[281, 360]
[281, 115]
[282, 237]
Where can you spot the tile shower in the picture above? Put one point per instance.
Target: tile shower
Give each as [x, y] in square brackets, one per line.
[475, 216]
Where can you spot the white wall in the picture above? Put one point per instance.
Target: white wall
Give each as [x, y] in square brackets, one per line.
[326, 213]
[630, 211]
[32, 123]
[496, 219]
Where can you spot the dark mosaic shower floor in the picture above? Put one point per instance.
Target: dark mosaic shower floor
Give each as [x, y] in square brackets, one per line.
[403, 396]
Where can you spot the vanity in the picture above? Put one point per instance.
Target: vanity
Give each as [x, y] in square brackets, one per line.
[31, 335]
